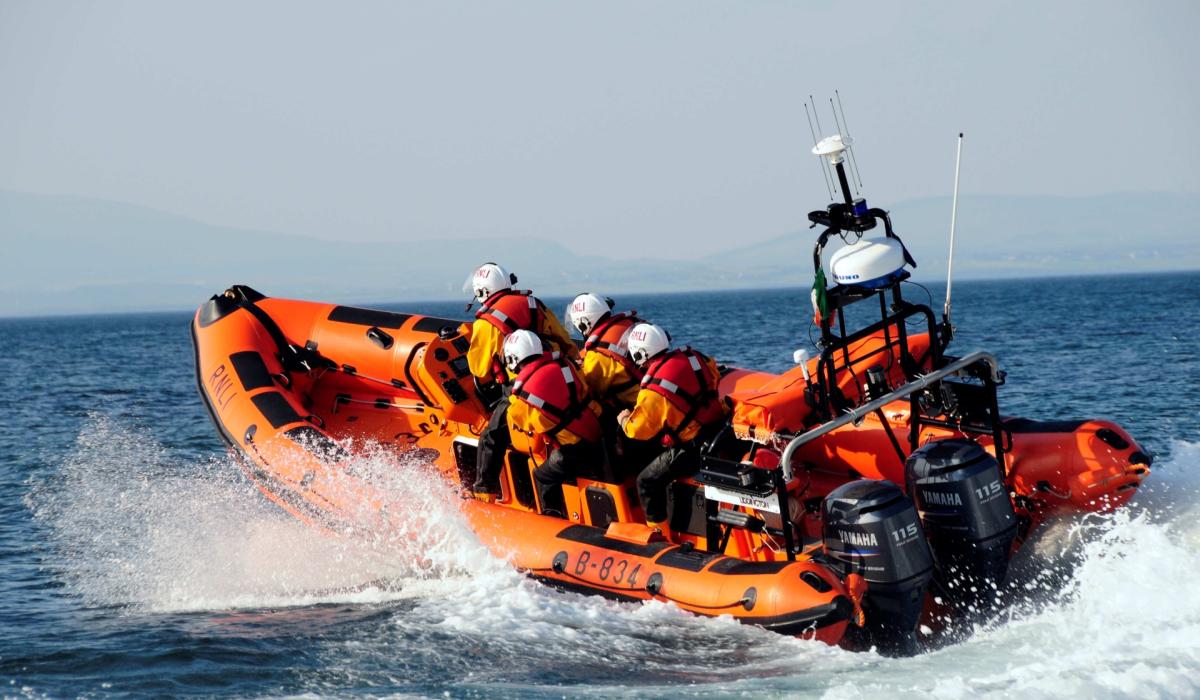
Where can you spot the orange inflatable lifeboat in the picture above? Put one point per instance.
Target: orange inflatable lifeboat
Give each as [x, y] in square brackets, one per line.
[842, 499]
[294, 386]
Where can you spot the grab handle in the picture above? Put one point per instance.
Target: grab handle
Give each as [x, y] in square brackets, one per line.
[380, 338]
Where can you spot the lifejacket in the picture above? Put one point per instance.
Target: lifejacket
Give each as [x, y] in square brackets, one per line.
[510, 310]
[554, 387]
[606, 339]
[686, 380]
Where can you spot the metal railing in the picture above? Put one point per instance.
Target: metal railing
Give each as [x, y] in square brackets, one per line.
[858, 413]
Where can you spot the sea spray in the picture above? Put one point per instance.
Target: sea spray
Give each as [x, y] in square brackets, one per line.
[1102, 605]
[131, 526]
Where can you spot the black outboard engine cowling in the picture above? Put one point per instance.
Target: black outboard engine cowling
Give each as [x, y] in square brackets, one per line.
[871, 528]
[968, 515]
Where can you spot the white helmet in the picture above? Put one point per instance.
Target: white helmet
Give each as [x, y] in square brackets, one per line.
[646, 341]
[520, 346]
[486, 280]
[586, 310]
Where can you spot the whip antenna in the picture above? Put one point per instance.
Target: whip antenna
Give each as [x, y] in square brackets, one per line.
[824, 172]
[846, 134]
[817, 116]
[953, 221]
[853, 158]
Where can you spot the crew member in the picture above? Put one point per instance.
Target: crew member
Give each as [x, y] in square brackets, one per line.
[551, 414]
[502, 311]
[678, 407]
[611, 376]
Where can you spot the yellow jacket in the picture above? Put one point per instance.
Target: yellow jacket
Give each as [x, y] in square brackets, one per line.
[653, 413]
[528, 426]
[487, 342]
[602, 372]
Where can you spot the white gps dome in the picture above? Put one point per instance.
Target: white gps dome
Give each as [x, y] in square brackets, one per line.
[868, 262]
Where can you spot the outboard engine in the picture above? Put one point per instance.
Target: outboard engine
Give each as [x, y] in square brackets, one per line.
[965, 508]
[871, 528]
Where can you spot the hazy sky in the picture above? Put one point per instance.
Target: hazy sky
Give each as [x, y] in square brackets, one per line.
[658, 128]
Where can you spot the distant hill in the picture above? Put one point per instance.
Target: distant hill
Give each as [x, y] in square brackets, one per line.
[75, 254]
[64, 254]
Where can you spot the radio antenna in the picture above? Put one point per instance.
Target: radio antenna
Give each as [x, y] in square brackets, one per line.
[853, 158]
[953, 222]
[846, 134]
[824, 172]
[817, 116]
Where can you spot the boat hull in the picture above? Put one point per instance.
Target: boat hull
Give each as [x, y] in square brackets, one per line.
[299, 390]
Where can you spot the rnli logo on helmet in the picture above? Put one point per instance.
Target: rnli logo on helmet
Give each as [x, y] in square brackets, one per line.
[637, 335]
[579, 306]
[483, 273]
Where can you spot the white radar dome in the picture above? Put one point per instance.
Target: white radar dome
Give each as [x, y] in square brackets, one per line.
[868, 262]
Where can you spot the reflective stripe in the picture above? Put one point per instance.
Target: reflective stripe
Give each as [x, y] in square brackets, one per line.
[601, 335]
[521, 316]
[563, 404]
[703, 406]
[594, 342]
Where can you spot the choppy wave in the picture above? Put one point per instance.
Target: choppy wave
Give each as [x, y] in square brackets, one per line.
[133, 527]
[1110, 604]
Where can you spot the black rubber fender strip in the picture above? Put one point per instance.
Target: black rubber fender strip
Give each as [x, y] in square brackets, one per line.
[275, 408]
[433, 324]
[732, 566]
[838, 610]
[1112, 439]
[368, 317]
[251, 370]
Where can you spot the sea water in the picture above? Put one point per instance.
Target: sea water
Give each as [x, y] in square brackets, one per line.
[136, 560]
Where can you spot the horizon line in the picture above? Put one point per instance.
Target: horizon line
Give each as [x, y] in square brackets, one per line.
[56, 315]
